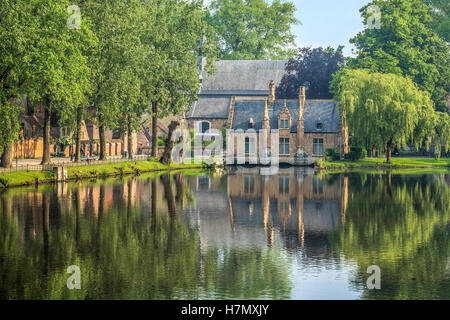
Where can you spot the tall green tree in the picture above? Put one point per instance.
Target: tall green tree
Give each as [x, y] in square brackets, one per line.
[116, 23]
[58, 74]
[172, 66]
[16, 30]
[132, 108]
[253, 29]
[405, 44]
[385, 110]
[9, 129]
[42, 57]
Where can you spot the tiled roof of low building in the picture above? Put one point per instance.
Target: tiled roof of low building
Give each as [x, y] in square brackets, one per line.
[315, 111]
[243, 77]
[210, 107]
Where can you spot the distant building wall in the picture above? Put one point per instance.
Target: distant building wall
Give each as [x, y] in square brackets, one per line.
[330, 140]
[28, 148]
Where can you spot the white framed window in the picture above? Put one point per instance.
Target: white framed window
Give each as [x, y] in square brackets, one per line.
[284, 146]
[203, 183]
[284, 207]
[317, 185]
[318, 146]
[283, 185]
[203, 126]
[249, 145]
[249, 184]
[284, 123]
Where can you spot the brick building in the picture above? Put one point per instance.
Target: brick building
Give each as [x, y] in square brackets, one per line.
[30, 143]
[241, 96]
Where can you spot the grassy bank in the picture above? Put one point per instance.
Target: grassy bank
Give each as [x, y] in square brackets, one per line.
[379, 163]
[23, 178]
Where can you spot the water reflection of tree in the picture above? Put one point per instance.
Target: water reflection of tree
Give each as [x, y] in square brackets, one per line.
[125, 251]
[401, 224]
[247, 273]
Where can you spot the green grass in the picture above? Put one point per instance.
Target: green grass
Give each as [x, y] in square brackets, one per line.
[22, 178]
[395, 163]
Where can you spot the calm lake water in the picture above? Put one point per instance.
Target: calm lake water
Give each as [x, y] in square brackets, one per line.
[233, 234]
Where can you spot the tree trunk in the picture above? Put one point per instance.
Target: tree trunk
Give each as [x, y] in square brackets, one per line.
[389, 151]
[7, 155]
[389, 184]
[78, 135]
[155, 129]
[130, 139]
[46, 230]
[101, 131]
[374, 152]
[154, 205]
[167, 154]
[47, 117]
[171, 205]
[77, 219]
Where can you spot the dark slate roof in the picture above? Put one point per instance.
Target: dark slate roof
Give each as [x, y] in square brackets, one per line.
[228, 93]
[315, 111]
[210, 107]
[241, 77]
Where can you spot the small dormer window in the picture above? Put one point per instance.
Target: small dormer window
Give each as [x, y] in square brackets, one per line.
[319, 125]
[204, 126]
[284, 123]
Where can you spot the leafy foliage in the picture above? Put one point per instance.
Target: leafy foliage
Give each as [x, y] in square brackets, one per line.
[356, 153]
[253, 29]
[313, 68]
[385, 110]
[9, 124]
[440, 12]
[332, 153]
[405, 45]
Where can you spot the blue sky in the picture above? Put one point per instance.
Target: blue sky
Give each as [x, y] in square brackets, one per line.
[328, 22]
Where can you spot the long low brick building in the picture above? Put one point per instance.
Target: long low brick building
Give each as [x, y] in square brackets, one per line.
[241, 96]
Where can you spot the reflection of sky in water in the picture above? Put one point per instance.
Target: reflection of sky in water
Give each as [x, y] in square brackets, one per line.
[323, 281]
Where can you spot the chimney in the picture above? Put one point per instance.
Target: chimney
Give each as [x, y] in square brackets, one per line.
[301, 102]
[251, 123]
[271, 93]
[266, 119]
[300, 122]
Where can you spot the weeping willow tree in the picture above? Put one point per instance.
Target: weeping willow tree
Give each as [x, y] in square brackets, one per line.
[386, 111]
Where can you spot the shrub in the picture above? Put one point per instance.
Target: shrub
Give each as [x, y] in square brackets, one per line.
[356, 153]
[162, 142]
[319, 164]
[332, 154]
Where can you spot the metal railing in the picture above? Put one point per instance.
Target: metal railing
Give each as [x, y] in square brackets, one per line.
[82, 163]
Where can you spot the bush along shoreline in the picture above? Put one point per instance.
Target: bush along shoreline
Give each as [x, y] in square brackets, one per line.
[381, 164]
[26, 178]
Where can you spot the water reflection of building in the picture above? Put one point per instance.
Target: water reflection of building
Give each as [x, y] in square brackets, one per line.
[75, 198]
[260, 210]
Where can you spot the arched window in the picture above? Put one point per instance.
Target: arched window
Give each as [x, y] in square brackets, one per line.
[204, 126]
